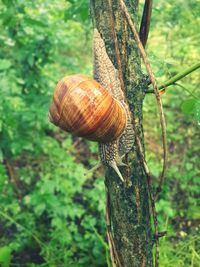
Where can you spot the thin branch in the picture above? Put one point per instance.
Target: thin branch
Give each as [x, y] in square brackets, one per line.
[113, 250]
[177, 77]
[180, 75]
[35, 237]
[12, 178]
[105, 245]
[191, 93]
[124, 42]
[161, 234]
[155, 220]
[139, 146]
[145, 22]
[152, 200]
[108, 225]
[153, 81]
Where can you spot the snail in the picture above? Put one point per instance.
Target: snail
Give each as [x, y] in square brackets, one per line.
[83, 107]
[96, 109]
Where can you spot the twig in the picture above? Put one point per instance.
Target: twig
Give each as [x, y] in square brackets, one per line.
[74, 145]
[153, 207]
[156, 90]
[108, 225]
[105, 245]
[177, 77]
[113, 250]
[145, 22]
[139, 145]
[152, 200]
[91, 171]
[180, 75]
[161, 234]
[77, 142]
[124, 41]
[12, 177]
[10, 219]
[183, 87]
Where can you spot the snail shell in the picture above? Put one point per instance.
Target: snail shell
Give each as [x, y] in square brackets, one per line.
[83, 107]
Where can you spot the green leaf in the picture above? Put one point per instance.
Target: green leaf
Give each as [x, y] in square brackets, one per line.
[5, 256]
[71, 1]
[197, 111]
[30, 60]
[39, 209]
[188, 106]
[5, 64]
[34, 22]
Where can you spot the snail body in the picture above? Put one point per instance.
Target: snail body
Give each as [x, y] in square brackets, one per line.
[83, 107]
[96, 109]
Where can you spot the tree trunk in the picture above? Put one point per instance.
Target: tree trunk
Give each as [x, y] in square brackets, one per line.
[128, 202]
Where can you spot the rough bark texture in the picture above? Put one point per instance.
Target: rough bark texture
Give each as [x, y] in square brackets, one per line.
[129, 201]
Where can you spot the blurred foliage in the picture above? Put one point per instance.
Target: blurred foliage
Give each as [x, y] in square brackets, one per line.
[51, 214]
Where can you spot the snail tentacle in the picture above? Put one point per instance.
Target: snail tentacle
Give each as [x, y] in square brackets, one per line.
[113, 165]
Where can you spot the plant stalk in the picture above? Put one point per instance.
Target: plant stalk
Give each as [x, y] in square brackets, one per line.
[177, 77]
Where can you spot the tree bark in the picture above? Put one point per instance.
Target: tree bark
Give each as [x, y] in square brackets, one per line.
[128, 202]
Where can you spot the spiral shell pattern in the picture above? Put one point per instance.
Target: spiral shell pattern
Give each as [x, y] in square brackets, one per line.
[83, 107]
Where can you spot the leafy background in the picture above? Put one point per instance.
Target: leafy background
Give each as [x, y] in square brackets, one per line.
[51, 214]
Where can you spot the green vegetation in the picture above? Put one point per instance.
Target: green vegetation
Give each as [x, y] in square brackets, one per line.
[51, 214]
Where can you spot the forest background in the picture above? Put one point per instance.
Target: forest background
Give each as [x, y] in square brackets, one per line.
[50, 213]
